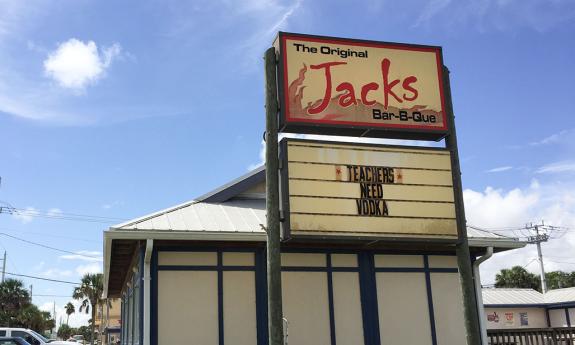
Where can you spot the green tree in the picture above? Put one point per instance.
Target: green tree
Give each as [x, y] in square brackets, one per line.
[13, 298]
[517, 277]
[86, 332]
[559, 279]
[70, 309]
[90, 292]
[65, 332]
[32, 317]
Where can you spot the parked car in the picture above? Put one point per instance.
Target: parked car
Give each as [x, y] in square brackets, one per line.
[33, 338]
[13, 341]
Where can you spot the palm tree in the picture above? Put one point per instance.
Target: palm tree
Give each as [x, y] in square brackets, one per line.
[69, 310]
[13, 298]
[90, 292]
[517, 277]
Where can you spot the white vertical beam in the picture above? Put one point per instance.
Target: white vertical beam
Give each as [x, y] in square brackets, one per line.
[147, 294]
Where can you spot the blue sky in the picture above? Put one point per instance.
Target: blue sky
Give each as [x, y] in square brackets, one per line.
[119, 109]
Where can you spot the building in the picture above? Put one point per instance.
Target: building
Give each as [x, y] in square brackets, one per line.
[196, 274]
[108, 321]
[527, 308]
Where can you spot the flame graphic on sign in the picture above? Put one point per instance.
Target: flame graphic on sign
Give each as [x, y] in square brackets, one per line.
[359, 112]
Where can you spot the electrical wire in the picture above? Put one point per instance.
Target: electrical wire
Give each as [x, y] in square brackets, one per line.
[530, 262]
[40, 278]
[49, 247]
[10, 261]
[50, 235]
[58, 215]
[561, 262]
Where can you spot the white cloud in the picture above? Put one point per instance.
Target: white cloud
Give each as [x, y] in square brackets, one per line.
[494, 208]
[56, 273]
[77, 319]
[113, 204]
[267, 17]
[558, 167]
[432, 8]
[262, 160]
[39, 266]
[90, 268]
[554, 138]
[284, 18]
[262, 153]
[76, 64]
[500, 15]
[25, 216]
[500, 169]
[54, 212]
[84, 255]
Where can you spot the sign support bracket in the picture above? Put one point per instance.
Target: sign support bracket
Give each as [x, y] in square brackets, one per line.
[462, 246]
[274, 289]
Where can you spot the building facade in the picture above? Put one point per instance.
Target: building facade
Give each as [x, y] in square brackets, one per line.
[196, 274]
[527, 308]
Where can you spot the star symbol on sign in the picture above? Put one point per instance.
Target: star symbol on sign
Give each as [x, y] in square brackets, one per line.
[399, 176]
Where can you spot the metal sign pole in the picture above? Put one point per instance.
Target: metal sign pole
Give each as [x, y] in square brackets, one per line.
[462, 246]
[275, 315]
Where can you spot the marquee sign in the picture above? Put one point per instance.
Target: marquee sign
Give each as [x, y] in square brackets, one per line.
[346, 189]
[353, 87]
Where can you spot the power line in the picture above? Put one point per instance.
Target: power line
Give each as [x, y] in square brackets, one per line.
[57, 215]
[562, 262]
[61, 296]
[530, 262]
[45, 234]
[11, 261]
[40, 278]
[48, 247]
[495, 229]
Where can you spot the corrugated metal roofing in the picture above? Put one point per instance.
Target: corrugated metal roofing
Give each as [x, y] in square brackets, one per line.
[498, 296]
[495, 296]
[229, 209]
[566, 295]
[233, 216]
[474, 232]
[239, 215]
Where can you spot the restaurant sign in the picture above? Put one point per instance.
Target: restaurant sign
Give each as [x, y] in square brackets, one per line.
[330, 188]
[360, 88]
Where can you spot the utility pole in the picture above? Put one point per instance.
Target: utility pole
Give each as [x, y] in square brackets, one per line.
[462, 251]
[274, 288]
[31, 290]
[4, 267]
[55, 325]
[537, 239]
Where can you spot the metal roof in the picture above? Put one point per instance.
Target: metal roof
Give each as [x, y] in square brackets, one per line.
[232, 209]
[236, 215]
[527, 297]
[247, 216]
[497, 296]
[566, 295]
[233, 212]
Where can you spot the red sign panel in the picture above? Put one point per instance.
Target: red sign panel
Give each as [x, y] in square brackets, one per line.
[352, 87]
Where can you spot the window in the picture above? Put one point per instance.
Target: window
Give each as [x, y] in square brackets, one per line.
[26, 336]
[131, 310]
[8, 342]
[2, 333]
[136, 311]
